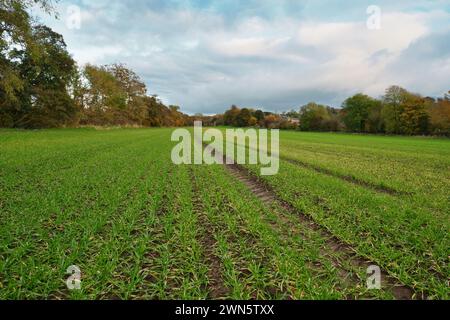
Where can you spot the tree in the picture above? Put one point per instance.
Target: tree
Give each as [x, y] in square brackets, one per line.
[115, 95]
[158, 115]
[15, 34]
[41, 86]
[44, 100]
[105, 99]
[230, 117]
[253, 122]
[414, 118]
[134, 89]
[272, 121]
[334, 122]
[155, 110]
[259, 116]
[405, 112]
[375, 122]
[357, 110]
[393, 102]
[439, 115]
[243, 118]
[292, 114]
[313, 117]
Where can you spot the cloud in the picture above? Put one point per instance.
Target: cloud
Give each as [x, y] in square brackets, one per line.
[424, 66]
[207, 55]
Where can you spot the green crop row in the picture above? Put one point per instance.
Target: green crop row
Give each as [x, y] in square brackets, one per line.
[139, 227]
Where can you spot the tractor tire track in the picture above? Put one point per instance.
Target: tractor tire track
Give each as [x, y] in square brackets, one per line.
[344, 177]
[268, 196]
[350, 179]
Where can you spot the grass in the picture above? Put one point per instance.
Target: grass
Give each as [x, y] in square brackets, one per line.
[382, 195]
[139, 227]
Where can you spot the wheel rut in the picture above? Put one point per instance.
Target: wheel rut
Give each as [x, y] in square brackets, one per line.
[269, 197]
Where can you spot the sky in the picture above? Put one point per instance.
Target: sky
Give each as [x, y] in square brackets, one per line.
[276, 55]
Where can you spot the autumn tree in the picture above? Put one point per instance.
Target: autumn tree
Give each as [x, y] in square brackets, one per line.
[405, 112]
[40, 85]
[414, 117]
[244, 118]
[272, 121]
[439, 113]
[159, 115]
[230, 116]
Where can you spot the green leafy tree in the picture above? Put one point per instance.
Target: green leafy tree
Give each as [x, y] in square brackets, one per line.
[356, 112]
[45, 99]
[259, 116]
[393, 102]
[375, 122]
[313, 117]
[105, 99]
[135, 91]
[334, 122]
[15, 35]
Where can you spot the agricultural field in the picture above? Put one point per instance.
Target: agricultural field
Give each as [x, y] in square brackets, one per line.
[139, 227]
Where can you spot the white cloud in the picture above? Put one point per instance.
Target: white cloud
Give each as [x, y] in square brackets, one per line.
[201, 60]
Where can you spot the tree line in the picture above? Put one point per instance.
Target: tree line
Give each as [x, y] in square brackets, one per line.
[397, 112]
[247, 117]
[41, 85]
